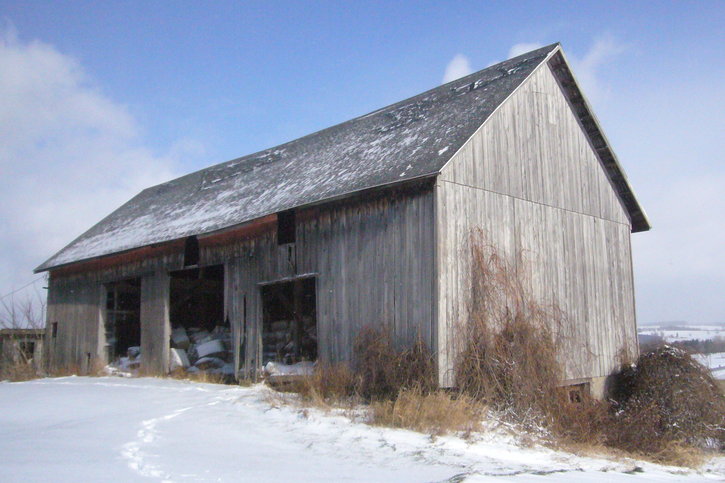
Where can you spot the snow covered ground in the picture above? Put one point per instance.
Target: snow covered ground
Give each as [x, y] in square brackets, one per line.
[123, 430]
[716, 363]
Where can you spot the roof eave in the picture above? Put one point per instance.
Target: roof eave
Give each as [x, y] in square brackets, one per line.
[47, 268]
[590, 124]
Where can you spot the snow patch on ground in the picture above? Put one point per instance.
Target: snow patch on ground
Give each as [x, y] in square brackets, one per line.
[146, 429]
[716, 363]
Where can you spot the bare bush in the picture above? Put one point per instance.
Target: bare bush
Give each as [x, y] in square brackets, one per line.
[664, 407]
[507, 355]
[384, 370]
[19, 315]
[667, 398]
[17, 370]
[379, 371]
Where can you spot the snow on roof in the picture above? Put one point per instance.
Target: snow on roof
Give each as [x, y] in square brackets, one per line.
[411, 139]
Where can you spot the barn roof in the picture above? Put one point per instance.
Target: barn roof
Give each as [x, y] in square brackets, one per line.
[408, 140]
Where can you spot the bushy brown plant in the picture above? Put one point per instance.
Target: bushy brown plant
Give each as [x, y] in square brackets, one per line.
[662, 407]
[379, 371]
[66, 370]
[507, 354]
[666, 397]
[384, 370]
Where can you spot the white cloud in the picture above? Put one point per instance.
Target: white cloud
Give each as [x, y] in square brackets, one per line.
[522, 48]
[458, 67]
[69, 155]
[587, 69]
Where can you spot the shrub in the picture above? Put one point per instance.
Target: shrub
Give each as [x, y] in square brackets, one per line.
[384, 370]
[666, 397]
[379, 371]
[507, 355]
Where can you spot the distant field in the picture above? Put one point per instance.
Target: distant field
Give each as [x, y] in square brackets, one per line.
[692, 332]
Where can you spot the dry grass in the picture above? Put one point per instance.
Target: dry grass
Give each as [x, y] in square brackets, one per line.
[66, 370]
[208, 378]
[330, 384]
[436, 412]
[17, 371]
[379, 372]
[201, 376]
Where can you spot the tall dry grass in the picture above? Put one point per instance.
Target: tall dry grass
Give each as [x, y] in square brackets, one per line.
[436, 413]
[331, 384]
[398, 385]
[379, 371]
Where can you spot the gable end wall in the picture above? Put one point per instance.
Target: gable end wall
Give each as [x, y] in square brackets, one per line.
[531, 181]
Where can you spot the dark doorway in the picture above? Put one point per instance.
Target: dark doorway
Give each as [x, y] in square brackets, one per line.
[289, 332]
[197, 298]
[123, 317]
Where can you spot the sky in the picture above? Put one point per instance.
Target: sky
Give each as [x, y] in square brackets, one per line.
[99, 100]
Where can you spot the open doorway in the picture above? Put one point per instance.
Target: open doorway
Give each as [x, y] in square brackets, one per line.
[197, 297]
[123, 318]
[200, 332]
[289, 333]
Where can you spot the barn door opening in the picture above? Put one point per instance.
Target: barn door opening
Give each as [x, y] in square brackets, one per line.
[289, 332]
[200, 333]
[123, 318]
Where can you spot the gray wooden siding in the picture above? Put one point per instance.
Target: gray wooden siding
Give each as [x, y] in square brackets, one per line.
[530, 180]
[373, 263]
[75, 306]
[155, 326]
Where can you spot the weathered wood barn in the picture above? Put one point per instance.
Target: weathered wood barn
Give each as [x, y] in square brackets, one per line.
[365, 224]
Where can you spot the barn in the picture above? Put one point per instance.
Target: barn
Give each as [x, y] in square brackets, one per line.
[286, 254]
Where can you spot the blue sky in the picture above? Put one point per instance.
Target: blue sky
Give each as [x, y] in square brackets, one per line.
[120, 95]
